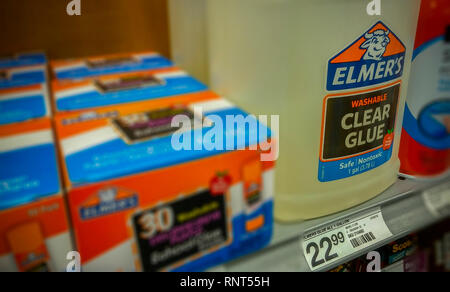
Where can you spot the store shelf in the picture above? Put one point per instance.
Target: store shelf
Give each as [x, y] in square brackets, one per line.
[404, 211]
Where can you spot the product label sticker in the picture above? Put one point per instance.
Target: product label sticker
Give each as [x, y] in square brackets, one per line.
[401, 248]
[437, 200]
[358, 126]
[170, 234]
[127, 83]
[333, 242]
[357, 131]
[111, 62]
[376, 57]
[108, 201]
[143, 126]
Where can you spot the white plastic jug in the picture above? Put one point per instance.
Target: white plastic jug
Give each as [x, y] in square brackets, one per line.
[336, 76]
[188, 36]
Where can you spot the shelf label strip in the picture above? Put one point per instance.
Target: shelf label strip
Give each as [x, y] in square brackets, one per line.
[437, 200]
[332, 242]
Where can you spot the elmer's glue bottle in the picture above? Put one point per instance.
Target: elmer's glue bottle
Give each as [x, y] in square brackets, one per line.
[425, 143]
[336, 76]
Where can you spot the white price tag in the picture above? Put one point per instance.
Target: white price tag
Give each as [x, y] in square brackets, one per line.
[437, 200]
[330, 243]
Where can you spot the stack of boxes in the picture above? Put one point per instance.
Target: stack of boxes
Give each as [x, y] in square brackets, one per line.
[153, 177]
[138, 202]
[23, 88]
[34, 232]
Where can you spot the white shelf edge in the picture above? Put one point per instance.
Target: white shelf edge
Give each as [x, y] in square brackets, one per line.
[403, 209]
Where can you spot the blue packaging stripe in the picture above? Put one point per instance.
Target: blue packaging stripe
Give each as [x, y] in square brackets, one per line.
[243, 242]
[411, 126]
[116, 158]
[335, 170]
[148, 63]
[32, 173]
[172, 87]
[27, 78]
[25, 59]
[22, 109]
[425, 46]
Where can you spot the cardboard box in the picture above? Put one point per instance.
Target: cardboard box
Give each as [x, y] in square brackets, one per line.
[108, 64]
[23, 60]
[116, 89]
[23, 88]
[34, 231]
[139, 204]
[35, 236]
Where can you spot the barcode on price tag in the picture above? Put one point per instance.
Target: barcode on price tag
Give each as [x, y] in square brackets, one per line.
[366, 238]
[328, 244]
[437, 200]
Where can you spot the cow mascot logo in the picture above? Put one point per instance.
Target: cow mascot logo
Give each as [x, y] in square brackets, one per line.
[377, 56]
[375, 44]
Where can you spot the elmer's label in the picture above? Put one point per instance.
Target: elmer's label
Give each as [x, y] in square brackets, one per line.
[117, 61]
[144, 126]
[170, 234]
[358, 126]
[127, 83]
[108, 201]
[376, 57]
